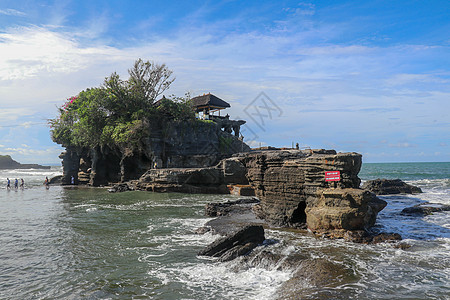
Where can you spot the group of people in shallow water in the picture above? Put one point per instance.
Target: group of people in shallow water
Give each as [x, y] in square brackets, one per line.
[22, 183]
[16, 183]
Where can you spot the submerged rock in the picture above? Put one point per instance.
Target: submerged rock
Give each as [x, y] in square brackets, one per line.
[425, 209]
[233, 245]
[365, 237]
[121, 187]
[315, 274]
[390, 187]
[56, 179]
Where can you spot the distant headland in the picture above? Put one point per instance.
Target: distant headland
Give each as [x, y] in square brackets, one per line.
[6, 162]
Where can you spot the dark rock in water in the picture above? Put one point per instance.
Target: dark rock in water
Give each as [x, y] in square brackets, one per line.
[425, 209]
[203, 230]
[263, 259]
[365, 237]
[224, 208]
[358, 236]
[386, 238]
[390, 187]
[314, 275]
[237, 244]
[402, 246]
[121, 187]
[231, 216]
[56, 180]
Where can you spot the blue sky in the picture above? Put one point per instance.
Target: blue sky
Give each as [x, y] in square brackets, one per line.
[364, 76]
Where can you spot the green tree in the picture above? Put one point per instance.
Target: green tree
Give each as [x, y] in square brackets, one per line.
[120, 111]
[148, 80]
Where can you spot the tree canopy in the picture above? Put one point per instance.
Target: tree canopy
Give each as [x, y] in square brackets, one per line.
[119, 111]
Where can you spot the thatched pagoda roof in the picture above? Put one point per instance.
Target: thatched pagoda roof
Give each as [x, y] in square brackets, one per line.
[208, 101]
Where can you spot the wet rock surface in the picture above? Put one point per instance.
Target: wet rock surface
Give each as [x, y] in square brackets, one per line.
[425, 209]
[56, 180]
[226, 208]
[231, 216]
[316, 274]
[235, 244]
[365, 237]
[390, 187]
[121, 187]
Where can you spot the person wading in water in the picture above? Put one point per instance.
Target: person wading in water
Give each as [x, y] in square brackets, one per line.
[46, 183]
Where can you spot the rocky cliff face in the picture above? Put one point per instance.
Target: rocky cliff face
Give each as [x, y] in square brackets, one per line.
[180, 145]
[292, 188]
[290, 185]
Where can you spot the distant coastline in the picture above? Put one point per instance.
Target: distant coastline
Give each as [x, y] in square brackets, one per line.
[6, 162]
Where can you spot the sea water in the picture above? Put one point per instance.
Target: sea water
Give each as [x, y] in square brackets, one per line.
[85, 243]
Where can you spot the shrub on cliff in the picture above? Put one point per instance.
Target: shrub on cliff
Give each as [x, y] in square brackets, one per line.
[120, 111]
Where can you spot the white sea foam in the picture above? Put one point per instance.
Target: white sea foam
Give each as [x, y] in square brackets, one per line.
[217, 278]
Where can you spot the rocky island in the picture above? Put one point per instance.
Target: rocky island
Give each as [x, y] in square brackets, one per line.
[120, 135]
[6, 162]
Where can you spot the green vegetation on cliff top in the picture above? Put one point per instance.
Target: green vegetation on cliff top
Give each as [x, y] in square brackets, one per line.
[120, 111]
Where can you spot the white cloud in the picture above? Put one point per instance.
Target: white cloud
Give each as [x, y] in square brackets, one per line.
[28, 155]
[11, 12]
[31, 51]
[402, 145]
[325, 92]
[8, 116]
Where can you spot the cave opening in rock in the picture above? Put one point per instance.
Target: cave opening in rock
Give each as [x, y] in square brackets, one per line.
[299, 215]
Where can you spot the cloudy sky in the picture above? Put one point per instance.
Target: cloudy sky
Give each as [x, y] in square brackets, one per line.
[365, 76]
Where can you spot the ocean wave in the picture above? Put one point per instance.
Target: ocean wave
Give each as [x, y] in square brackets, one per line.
[225, 279]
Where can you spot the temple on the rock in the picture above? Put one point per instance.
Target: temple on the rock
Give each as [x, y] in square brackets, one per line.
[207, 104]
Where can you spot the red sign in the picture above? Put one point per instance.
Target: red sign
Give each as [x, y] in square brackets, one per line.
[332, 175]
